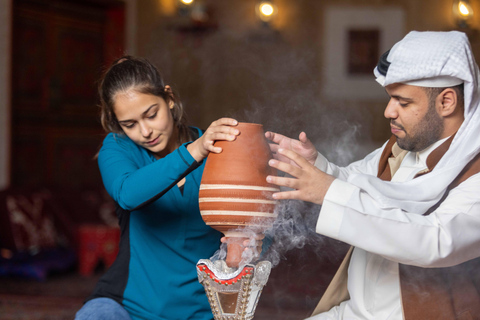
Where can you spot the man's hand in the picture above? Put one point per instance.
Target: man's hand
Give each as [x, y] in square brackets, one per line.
[308, 183]
[303, 146]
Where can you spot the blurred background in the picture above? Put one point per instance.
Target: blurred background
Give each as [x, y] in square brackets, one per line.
[293, 66]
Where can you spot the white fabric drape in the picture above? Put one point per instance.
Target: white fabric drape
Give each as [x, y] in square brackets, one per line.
[424, 55]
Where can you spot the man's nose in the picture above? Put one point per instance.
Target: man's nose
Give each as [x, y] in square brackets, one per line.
[391, 110]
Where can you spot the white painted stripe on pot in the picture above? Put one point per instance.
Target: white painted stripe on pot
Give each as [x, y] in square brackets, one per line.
[236, 200]
[245, 233]
[236, 213]
[236, 186]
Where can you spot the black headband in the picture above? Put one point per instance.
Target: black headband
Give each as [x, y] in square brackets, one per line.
[383, 64]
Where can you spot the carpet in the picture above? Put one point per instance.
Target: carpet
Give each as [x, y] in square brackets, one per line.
[20, 307]
[58, 297]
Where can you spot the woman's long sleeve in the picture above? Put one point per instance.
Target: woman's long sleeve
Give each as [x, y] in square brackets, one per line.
[129, 180]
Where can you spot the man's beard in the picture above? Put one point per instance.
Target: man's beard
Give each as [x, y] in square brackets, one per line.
[425, 133]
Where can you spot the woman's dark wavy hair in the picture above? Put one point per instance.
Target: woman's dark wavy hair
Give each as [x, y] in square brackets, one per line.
[138, 74]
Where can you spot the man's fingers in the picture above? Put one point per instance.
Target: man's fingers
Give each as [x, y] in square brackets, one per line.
[285, 195]
[292, 170]
[291, 183]
[274, 147]
[275, 137]
[298, 159]
[303, 137]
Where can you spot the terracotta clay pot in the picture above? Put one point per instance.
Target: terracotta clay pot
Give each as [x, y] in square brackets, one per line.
[235, 197]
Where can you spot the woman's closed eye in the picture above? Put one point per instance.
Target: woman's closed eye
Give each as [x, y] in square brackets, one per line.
[152, 116]
[128, 125]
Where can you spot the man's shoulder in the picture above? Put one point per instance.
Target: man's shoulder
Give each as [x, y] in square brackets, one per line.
[472, 170]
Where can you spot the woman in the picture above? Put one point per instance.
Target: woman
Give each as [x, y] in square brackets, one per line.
[151, 165]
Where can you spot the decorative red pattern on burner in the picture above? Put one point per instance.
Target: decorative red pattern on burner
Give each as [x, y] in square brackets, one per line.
[246, 271]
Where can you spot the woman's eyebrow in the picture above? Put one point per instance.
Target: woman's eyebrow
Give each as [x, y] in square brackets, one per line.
[149, 108]
[143, 113]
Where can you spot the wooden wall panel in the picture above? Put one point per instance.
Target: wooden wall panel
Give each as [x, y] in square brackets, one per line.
[59, 51]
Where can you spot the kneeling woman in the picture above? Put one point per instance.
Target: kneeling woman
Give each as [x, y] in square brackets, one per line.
[151, 164]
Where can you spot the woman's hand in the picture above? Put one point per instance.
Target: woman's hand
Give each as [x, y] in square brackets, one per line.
[303, 146]
[221, 129]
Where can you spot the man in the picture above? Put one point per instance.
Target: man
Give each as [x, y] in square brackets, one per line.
[411, 209]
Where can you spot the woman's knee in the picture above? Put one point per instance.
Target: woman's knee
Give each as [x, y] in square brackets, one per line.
[102, 309]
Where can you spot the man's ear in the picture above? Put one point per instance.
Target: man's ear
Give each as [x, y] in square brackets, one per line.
[447, 102]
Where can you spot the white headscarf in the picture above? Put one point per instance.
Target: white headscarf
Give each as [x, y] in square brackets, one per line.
[436, 59]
